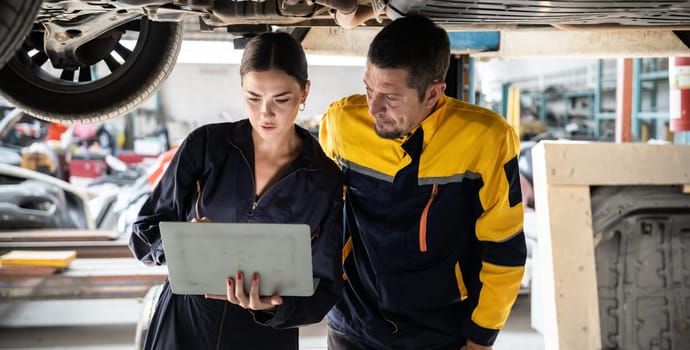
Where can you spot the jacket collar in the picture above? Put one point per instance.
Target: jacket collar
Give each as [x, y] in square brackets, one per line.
[241, 138]
[432, 122]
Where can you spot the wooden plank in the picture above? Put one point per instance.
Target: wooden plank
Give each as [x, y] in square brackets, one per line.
[113, 267]
[27, 270]
[556, 43]
[603, 163]
[85, 278]
[56, 235]
[572, 297]
[566, 276]
[31, 314]
[85, 249]
[56, 258]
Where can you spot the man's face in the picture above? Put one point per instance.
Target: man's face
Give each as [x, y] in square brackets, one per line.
[394, 105]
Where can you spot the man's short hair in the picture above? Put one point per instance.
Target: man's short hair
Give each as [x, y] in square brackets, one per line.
[416, 44]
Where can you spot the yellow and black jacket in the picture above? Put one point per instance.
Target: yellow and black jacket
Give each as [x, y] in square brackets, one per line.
[433, 247]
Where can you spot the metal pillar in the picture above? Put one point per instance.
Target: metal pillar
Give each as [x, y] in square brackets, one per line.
[636, 99]
[624, 99]
[460, 78]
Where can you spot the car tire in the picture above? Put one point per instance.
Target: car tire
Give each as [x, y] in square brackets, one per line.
[16, 18]
[32, 84]
[643, 266]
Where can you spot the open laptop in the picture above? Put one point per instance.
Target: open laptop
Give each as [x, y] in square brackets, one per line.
[201, 256]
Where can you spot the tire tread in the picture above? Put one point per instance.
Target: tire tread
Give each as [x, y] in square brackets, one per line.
[16, 17]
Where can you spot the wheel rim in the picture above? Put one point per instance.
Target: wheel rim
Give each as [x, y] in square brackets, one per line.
[108, 57]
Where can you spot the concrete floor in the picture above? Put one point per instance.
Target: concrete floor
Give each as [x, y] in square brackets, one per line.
[110, 325]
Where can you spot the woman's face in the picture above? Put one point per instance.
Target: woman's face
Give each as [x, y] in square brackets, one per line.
[272, 100]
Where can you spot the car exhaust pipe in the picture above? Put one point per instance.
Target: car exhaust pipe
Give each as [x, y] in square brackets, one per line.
[355, 18]
[348, 14]
[344, 6]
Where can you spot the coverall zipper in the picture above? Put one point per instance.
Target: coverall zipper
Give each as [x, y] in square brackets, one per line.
[255, 202]
[422, 221]
[220, 326]
[392, 323]
[198, 198]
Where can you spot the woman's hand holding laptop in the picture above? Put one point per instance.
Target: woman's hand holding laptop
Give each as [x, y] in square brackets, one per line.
[237, 295]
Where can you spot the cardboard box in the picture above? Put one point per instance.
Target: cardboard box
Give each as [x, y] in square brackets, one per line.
[38, 161]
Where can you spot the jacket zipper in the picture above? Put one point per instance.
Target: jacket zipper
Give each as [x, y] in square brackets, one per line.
[220, 327]
[422, 241]
[255, 203]
[347, 249]
[316, 233]
[422, 221]
[197, 216]
[392, 323]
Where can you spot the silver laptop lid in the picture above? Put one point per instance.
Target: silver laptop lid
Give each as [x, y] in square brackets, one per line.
[201, 256]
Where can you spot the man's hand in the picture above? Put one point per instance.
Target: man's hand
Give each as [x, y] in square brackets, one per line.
[236, 295]
[474, 346]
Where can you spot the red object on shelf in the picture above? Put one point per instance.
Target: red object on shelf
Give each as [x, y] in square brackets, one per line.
[87, 167]
[133, 158]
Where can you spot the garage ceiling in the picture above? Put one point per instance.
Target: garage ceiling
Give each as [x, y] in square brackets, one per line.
[525, 12]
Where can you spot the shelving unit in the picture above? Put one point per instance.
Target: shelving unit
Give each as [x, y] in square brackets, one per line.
[650, 84]
[591, 101]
